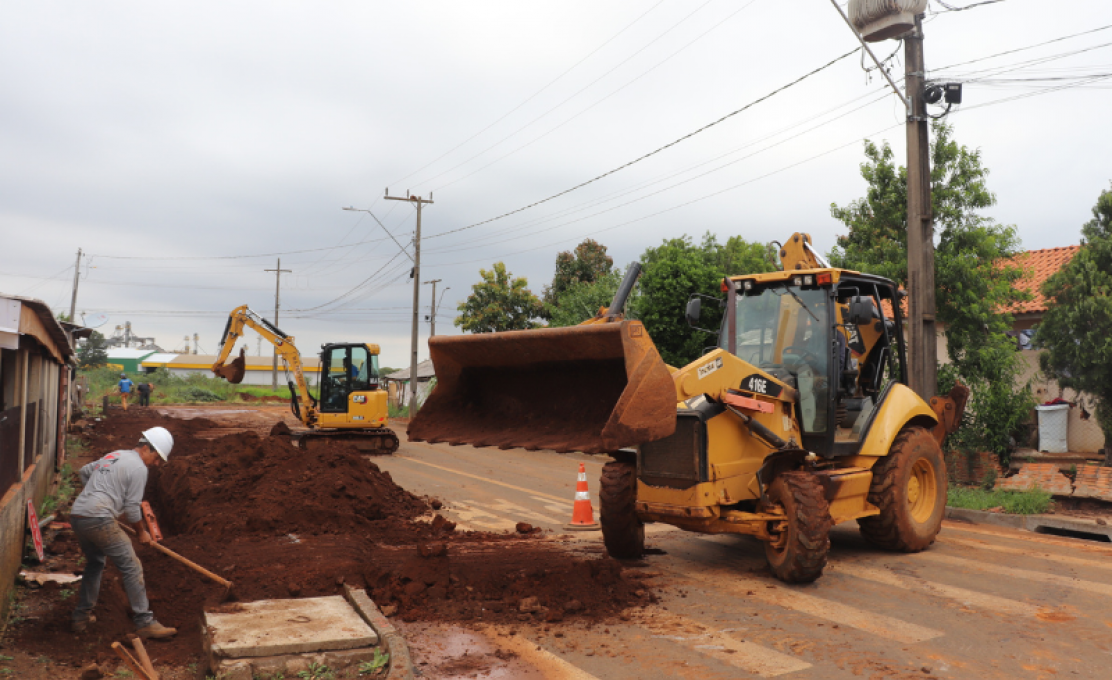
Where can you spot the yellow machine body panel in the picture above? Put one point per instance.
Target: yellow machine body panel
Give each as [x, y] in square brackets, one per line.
[365, 409]
[902, 406]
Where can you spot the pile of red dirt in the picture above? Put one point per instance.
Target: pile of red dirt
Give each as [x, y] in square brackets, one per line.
[280, 522]
[247, 484]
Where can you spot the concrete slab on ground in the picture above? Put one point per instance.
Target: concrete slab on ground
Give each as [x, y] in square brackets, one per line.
[276, 627]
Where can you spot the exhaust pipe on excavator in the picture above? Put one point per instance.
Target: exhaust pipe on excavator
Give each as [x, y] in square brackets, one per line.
[597, 387]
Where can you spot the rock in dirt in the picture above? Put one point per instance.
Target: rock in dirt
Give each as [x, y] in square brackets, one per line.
[92, 672]
[529, 605]
[523, 528]
[441, 523]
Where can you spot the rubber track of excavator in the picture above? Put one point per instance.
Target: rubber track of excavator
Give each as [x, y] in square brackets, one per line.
[379, 441]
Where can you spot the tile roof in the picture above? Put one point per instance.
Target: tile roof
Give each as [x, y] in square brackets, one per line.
[1039, 265]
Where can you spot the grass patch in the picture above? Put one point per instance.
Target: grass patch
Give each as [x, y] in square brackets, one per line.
[67, 487]
[196, 388]
[1033, 502]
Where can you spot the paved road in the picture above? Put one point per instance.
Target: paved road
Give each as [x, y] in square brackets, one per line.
[981, 603]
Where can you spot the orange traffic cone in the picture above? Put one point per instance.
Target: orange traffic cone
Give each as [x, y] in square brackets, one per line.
[582, 514]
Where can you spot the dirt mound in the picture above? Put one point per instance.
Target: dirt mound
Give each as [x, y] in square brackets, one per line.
[279, 521]
[245, 484]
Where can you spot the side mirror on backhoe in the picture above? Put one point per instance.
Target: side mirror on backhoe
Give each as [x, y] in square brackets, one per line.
[694, 311]
[861, 310]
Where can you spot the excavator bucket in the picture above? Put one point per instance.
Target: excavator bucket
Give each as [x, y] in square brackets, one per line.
[594, 388]
[234, 371]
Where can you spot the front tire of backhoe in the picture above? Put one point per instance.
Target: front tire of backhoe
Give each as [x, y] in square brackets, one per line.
[622, 532]
[909, 487]
[797, 553]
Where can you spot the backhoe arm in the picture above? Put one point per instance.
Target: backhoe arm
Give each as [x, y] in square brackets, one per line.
[283, 344]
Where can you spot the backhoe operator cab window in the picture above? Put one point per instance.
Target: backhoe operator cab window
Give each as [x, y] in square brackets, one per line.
[346, 369]
[785, 331]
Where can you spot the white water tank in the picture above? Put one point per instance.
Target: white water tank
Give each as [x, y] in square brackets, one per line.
[878, 20]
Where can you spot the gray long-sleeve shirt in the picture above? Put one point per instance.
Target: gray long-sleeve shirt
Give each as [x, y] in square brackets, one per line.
[113, 487]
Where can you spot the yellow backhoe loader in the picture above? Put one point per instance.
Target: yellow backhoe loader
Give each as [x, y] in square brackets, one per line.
[799, 419]
[351, 407]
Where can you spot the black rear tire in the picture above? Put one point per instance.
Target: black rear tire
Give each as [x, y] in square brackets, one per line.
[909, 486]
[798, 552]
[622, 532]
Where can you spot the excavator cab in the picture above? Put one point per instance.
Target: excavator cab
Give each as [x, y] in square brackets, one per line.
[349, 386]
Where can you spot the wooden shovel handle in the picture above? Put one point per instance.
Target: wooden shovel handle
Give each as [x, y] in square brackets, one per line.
[192, 565]
[130, 661]
[144, 658]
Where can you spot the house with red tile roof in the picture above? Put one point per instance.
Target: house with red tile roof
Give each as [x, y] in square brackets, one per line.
[1084, 435]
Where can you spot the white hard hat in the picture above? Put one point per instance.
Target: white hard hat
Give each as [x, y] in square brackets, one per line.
[160, 440]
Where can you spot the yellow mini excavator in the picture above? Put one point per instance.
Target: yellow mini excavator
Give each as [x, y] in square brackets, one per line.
[352, 406]
[797, 420]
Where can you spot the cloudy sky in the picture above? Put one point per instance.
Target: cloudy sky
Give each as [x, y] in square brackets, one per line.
[185, 147]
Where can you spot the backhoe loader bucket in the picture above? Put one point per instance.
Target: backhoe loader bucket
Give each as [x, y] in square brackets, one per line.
[594, 388]
[233, 372]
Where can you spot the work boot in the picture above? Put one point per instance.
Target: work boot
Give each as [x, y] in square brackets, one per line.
[156, 631]
[81, 625]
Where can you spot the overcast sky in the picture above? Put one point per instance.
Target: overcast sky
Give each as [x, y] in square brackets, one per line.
[161, 137]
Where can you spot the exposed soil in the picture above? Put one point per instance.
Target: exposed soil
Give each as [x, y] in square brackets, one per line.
[282, 522]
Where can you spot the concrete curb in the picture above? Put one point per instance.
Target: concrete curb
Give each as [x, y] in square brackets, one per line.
[1030, 522]
[401, 665]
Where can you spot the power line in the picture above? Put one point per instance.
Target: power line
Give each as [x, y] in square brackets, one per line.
[534, 95]
[592, 106]
[1021, 49]
[654, 152]
[231, 257]
[688, 180]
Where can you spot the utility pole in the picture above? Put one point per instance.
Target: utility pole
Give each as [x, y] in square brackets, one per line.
[419, 202]
[922, 334]
[432, 306]
[277, 298]
[73, 299]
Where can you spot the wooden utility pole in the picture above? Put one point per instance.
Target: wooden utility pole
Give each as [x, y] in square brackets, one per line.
[922, 333]
[419, 202]
[432, 307]
[277, 298]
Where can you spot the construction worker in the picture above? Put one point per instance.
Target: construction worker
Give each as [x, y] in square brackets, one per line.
[114, 489]
[144, 389]
[125, 389]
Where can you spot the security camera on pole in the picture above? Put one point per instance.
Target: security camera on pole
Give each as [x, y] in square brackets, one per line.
[873, 21]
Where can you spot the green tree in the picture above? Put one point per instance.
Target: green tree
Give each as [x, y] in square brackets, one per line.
[974, 278]
[677, 269]
[93, 353]
[587, 264]
[583, 300]
[500, 302]
[1076, 332]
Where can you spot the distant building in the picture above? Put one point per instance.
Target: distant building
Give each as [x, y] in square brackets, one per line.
[259, 369]
[397, 381]
[128, 359]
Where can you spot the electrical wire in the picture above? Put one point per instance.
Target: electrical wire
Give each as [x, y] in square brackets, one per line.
[883, 96]
[1022, 49]
[567, 99]
[534, 95]
[598, 102]
[951, 8]
[651, 153]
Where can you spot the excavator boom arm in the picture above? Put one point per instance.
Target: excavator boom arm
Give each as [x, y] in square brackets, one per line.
[233, 372]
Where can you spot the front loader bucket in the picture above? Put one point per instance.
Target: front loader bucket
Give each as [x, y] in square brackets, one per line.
[233, 372]
[593, 388]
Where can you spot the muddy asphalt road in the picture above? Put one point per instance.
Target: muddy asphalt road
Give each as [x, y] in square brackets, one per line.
[981, 603]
